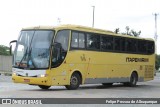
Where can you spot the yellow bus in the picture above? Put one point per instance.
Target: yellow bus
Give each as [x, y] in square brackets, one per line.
[71, 55]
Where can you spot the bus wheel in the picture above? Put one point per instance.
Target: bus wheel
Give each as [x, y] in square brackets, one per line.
[44, 87]
[133, 80]
[107, 84]
[74, 82]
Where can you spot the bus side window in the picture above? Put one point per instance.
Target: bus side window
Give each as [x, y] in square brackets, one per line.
[93, 42]
[74, 42]
[128, 45]
[62, 37]
[78, 40]
[106, 43]
[123, 44]
[60, 49]
[134, 45]
[131, 45]
[142, 46]
[81, 40]
[150, 47]
[117, 44]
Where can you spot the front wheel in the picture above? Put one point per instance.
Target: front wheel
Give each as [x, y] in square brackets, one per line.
[44, 87]
[74, 82]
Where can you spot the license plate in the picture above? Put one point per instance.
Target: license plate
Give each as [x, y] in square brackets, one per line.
[26, 80]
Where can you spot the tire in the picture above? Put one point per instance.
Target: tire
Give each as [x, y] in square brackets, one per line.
[133, 80]
[44, 87]
[75, 81]
[107, 84]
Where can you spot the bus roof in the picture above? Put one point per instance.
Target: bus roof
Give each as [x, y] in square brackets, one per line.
[82, 28]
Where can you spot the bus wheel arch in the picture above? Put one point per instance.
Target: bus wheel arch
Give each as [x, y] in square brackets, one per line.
[75, 80]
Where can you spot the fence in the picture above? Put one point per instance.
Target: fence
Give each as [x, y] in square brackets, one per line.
[5, 64]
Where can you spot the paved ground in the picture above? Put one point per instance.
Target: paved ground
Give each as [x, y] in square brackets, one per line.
[149, 89]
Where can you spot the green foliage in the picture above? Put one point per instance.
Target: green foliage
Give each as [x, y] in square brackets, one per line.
[157, 64]
[128, 32]
[117, 30]
[4, 50]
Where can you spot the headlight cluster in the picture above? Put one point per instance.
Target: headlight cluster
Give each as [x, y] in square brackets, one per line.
[14, 73]
[42, 75]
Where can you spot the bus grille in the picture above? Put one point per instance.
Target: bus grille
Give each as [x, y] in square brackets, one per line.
[149, 71]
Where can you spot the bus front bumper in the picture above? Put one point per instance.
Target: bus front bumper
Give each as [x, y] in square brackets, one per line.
[31, 80]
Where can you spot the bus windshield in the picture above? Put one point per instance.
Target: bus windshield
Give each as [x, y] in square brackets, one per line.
[32, 50]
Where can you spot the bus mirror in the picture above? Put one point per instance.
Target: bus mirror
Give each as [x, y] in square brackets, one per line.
[10, 49]
[14, 41]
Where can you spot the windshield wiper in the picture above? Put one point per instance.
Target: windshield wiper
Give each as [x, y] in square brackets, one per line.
[25, 54]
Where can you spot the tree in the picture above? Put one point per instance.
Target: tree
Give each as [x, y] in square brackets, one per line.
[134, 33]
[4, 50]
[128, 32]
[116, 30]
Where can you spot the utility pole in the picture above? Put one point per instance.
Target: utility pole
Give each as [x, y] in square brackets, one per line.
[93, 16]
[58, 21]
[155, 36]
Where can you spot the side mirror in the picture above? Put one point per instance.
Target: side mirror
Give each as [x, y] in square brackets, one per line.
[13, 41]
[10, 44]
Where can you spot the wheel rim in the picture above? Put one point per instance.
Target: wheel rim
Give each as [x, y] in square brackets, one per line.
[74, 80]
[133, 80]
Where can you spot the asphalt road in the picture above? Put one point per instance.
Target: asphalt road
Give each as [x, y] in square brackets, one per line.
[150, 89]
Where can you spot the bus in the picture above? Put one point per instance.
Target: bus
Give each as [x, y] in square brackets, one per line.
[71, 55]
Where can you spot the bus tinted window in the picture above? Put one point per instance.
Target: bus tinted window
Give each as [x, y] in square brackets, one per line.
[150, 47]
[128, 45]
[93, 41]
[111, 43]
[123, 44]
[134, 45]
[142, 46]
[117, 44]
[78, 40]
[131, 45]
[107, 43]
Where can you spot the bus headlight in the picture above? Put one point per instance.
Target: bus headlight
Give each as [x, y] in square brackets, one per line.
[14, 73]
[42, 75]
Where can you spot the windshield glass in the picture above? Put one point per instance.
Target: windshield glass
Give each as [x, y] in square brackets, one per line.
[32, 50]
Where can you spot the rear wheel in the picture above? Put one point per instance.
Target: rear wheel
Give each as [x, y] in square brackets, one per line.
[44, 87]
[133, 80]
[75, 81]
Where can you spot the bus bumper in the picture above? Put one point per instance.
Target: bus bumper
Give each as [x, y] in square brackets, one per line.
[31, 80]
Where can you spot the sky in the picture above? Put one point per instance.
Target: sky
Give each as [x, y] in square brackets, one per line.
[109, 15]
